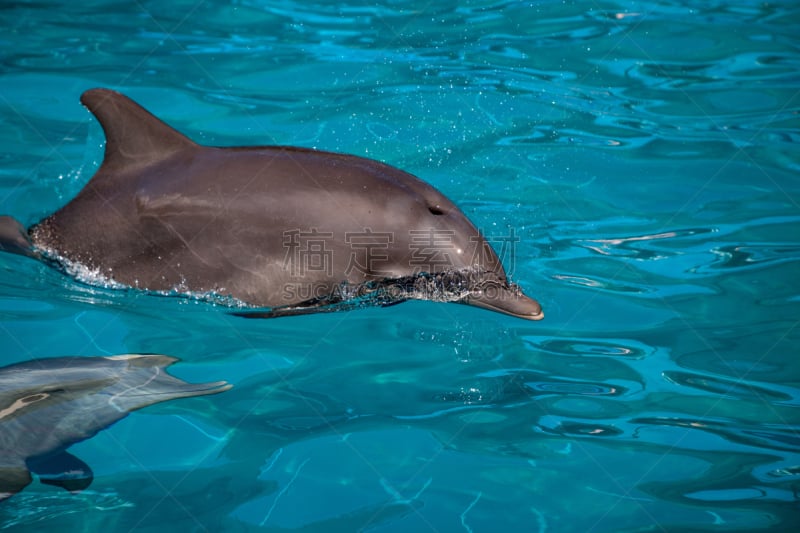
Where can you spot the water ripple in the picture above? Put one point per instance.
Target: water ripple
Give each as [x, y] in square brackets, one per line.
[515, 386]
[750, 256]
[638, 246]
[767, 436]
[624, 348]
[583, 429]
[726, 387]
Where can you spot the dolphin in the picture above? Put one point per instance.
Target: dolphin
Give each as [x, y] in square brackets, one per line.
[46, 405]
[283, 229]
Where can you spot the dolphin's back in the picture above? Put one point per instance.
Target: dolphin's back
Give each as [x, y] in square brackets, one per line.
[163, 212]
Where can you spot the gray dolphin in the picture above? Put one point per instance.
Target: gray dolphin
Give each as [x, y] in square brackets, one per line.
[290, 229]
[46, 405]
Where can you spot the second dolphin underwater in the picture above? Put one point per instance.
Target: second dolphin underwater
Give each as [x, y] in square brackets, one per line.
[47, 405]
[290, 229]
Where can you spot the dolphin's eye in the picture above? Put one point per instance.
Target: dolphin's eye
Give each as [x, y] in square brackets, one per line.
[435, 210]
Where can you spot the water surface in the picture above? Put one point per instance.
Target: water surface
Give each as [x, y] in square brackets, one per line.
[645, 155]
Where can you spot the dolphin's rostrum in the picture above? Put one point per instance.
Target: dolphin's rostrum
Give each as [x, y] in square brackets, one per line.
[290, 229]
[46, 405]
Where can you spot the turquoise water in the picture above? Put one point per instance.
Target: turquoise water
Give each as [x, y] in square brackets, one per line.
[645, 154]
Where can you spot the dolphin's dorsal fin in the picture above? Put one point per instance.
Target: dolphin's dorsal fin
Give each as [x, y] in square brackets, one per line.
[134, 136]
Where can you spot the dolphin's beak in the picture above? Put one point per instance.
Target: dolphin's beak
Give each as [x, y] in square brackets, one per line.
[506, 300]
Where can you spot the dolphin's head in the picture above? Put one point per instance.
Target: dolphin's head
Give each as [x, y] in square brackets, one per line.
[442, 241]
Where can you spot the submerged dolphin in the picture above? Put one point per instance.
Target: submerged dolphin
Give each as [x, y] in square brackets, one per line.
[47, 405]
[291, 229]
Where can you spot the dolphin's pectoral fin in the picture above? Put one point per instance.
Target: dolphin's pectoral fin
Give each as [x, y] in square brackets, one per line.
[13, 479]
[273, 313]
[62, 470]
[286, 311]
[316, 306]
[14, 238]
[324, 304]
[389, 304]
